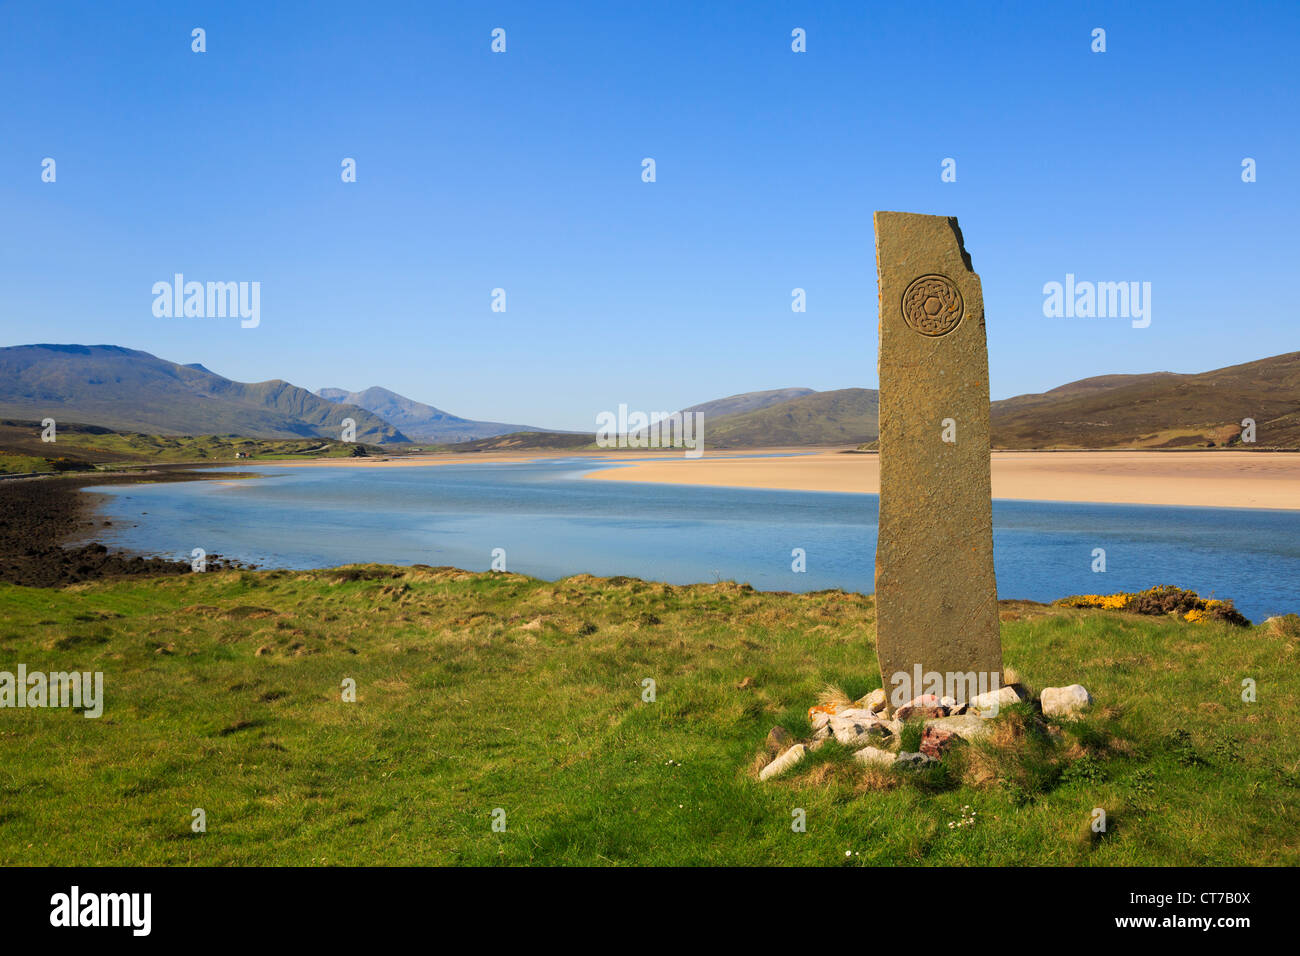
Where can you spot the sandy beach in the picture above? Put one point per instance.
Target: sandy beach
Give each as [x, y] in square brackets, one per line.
[1212, 479]
[1206, 479]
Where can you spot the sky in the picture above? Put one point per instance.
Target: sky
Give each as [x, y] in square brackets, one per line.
[522, 170]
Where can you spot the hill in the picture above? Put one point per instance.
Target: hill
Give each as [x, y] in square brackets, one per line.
[747, 402]
[1149, 410]
[1159, 409]
[418, 421]
[134, 391]
[840, 417]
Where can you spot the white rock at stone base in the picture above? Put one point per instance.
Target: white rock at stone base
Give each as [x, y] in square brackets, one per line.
[990, 702]
[783, 762]
[1065, 701]
[875, 757]
[860, 714]
[874, 702]
[858, 730]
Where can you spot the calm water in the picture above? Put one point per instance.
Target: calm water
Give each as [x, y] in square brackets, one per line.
[551, 524]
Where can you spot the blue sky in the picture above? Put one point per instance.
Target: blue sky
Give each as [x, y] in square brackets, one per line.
[522, 171]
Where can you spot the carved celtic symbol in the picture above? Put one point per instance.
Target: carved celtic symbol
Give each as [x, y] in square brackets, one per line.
[932, 305]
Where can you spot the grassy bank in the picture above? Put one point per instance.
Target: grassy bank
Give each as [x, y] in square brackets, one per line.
[84, 447]
[479, 691]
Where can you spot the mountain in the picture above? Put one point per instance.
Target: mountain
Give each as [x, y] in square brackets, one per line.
[830, 418]
[747, 402]
[1149, 410]
[1159, 409]
[127, 390]
[734, 405]
[841, 417]
[134, 391]
[418, 421]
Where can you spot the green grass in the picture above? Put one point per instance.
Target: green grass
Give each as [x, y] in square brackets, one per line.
[22, 464]
[82, 450]
[481, 691]
[164, 448]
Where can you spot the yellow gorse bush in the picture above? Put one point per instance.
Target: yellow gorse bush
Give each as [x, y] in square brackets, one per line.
[1163, 599]
[1108, 602]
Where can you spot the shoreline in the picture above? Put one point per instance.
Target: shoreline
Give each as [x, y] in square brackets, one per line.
[1256, 480]
[48, 526]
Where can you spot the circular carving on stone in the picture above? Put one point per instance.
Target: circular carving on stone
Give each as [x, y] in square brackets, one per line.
[932, 305]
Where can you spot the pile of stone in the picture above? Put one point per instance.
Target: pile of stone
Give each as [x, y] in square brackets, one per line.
[875, 736]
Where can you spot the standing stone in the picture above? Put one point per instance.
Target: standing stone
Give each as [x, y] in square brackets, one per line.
[936, 598]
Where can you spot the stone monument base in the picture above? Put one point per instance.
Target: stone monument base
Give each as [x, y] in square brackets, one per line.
[875, 736]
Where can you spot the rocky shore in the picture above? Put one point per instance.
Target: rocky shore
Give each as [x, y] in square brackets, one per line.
[39, 516]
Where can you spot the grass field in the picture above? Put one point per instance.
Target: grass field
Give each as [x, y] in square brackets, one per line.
[129, 447]
[479, 691]
[23, 464]
[81, 448]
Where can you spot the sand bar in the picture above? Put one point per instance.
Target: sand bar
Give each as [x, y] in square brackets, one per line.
[1212, 479]
[1206, 479]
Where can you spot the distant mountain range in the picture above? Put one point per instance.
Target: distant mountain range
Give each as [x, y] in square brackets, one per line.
[1152, 410]
[134, 391]
[129, 390]
[418, 421]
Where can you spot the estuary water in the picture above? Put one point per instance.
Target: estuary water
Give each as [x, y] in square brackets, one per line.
[552, 523]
